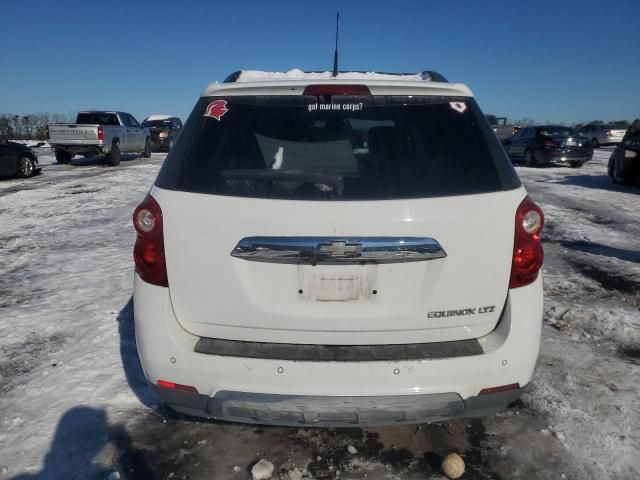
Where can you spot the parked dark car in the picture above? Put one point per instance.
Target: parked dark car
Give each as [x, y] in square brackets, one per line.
[18, 160]
[545, 144]
[624, 163]
[164, 130]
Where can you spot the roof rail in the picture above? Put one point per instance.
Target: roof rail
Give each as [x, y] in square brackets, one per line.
[233, 77]
[433, 76]
[429, 75]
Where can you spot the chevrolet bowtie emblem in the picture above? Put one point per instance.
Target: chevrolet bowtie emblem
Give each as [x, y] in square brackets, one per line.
[340, 248]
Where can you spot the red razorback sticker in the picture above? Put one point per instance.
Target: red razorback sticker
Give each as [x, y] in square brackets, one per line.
[216, 109]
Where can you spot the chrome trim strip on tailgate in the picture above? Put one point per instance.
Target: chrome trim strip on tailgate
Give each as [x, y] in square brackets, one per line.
[338, 250]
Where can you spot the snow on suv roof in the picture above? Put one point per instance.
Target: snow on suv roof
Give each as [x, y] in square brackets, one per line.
[297, 74]
[157, 117]
[292, 82]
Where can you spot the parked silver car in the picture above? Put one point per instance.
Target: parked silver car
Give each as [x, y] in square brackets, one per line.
[602, 134]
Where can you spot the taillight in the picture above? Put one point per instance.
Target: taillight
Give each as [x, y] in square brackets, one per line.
[148, 252]
[500, 389]
[176, 386]
[549, 143]
[46, 133]
[336, 89]
[608, 133]
[100, 133]
[527, 248]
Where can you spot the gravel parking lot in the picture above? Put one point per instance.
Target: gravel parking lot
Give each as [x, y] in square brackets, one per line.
[74, 402]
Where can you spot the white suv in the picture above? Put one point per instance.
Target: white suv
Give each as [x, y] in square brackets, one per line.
[322, 250]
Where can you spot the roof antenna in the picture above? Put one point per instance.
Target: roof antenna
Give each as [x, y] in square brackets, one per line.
[335, 53]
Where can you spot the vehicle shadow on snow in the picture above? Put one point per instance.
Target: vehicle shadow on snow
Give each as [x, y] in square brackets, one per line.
[82, 434]
[601, 182]
[604, 250]
[100, 160]
[130, 360]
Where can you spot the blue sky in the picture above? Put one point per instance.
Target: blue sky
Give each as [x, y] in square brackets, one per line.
[548, 60]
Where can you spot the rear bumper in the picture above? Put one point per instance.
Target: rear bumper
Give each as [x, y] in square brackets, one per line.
[325, 411]
[97, 148]
[560, 156]
[337, 392]
[157, 142]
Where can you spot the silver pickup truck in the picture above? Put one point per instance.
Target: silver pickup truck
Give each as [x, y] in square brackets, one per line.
[501, 128]
[99, 133]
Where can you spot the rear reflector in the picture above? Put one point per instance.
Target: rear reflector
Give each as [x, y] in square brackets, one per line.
[100, 133]
[502, 388]
[176, 386]
[319, 90]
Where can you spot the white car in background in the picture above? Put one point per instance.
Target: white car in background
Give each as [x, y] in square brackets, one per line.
[335, 251]
[602, 134]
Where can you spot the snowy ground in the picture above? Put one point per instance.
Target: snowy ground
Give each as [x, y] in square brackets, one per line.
[74, 403]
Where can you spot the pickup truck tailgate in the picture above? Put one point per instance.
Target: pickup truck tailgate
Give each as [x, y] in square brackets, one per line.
[73, 134]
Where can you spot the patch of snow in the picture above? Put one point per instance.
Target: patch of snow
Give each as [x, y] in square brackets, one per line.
[33, 143]
[297, 74]
[352, 450]
[151, 118]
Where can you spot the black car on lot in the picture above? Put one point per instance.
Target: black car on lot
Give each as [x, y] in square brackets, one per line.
[624, 163]
[545, 144]
[17, 159]
[163, 129]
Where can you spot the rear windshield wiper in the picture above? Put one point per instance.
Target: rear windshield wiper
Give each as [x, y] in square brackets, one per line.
[334, 181]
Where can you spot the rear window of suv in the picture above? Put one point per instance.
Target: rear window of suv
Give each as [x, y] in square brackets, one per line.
[338, 148]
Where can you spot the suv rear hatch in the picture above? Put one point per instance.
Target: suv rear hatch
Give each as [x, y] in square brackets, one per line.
[333, 219]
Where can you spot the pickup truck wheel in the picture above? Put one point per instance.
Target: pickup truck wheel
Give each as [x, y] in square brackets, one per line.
[146, 153]
[595, 143]
[26, 167]
[62, 156]
[113, 158]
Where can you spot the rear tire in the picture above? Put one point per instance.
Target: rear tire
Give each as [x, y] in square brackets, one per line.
[62, 156]
[146, 153]
[114, 156]
[575, 164]
[620, 180]
[595, 143]
[529, 158]
[26, 167]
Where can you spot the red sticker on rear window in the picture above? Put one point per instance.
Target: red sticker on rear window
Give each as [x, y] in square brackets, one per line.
[216, 109]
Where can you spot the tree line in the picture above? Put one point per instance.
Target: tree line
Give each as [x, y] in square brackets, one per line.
[31, 126]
